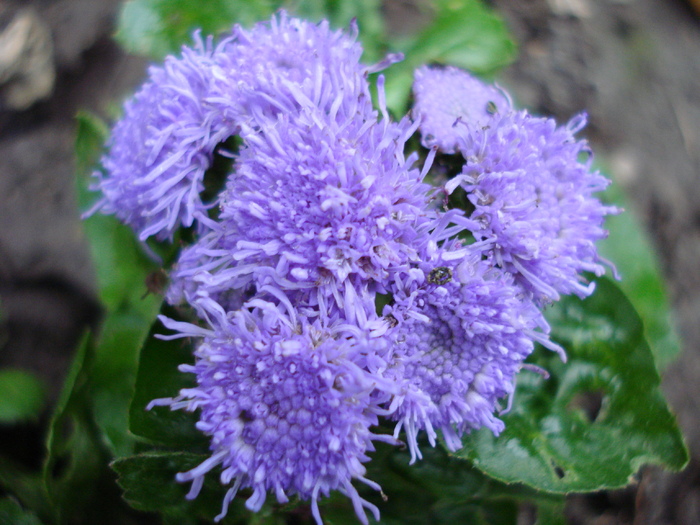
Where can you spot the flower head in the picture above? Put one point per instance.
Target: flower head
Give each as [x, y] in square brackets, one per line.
[287, 63]
[317, 206]
[285, 404]
[464, 329]
[532, 187]
[321, 215]
[448, 96]
[161, 148]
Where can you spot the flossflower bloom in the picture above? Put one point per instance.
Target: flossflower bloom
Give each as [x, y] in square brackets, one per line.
[464, 328]
[159, 151]
[287, 408]
[447, 99]
[532, 186]
[322, 208]
[322, 218]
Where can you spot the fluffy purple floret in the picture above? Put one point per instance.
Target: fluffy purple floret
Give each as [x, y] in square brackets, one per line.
[161, 147]
[464, 329]
[533, 187]
[318, 200]
[315, 205]
[279, 65]
[287, 409]
[446, 96]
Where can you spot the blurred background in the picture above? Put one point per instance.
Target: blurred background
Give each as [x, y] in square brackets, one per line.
[633, 65]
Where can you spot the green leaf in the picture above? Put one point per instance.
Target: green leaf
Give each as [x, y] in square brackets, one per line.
[463, 33]
[158, 377]
[76, 475]
[122, 268]
[148, 482]
[122, 272]
[155, 28]
[641, 280]
[598, 418]
[90, 135]
[114, 375]
[439, 489]
[24, 484]
[74, 456]
[22, 396]
[12, 513]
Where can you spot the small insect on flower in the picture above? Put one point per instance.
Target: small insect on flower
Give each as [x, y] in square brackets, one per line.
[156, 283]
[440, 275]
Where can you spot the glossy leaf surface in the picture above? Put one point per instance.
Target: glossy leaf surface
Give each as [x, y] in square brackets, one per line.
[598, 418]
[630, 249]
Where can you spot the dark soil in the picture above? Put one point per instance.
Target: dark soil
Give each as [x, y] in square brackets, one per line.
[633, 65]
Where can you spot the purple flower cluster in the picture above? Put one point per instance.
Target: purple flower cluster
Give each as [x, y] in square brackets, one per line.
[323, 217]
[529, 180]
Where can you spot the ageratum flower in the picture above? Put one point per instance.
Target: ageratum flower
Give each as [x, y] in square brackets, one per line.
[321, 214]
[532, 187]
[161, 148]
[288, 63]
[463, 331]
[446, 97]
[320, 206]
[286, 406]
[531, 182]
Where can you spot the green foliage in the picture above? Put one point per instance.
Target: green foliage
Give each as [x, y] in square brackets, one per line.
[462, 33]
[74, 456]
[12, 513]
[440, 489]
[156, 28]
[598, 418]
[641, 279]
[158, 377]
[148, 481]
[22, 396]
[90, 135]
[122, 272]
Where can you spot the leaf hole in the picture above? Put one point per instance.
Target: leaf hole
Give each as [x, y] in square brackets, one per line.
[590, 402]
[558, 470]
